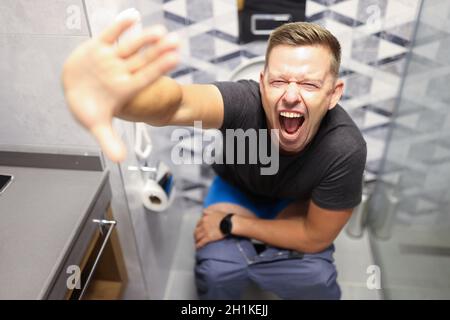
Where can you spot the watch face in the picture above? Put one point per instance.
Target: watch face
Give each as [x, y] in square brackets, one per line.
[225, 225]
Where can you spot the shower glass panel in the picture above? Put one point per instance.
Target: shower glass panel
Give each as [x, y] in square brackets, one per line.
[409, 213]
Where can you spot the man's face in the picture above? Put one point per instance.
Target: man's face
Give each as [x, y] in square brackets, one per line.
[297, 89]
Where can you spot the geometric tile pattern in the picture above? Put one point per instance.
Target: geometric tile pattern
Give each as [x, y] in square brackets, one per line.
[417, 161]
[375, 36]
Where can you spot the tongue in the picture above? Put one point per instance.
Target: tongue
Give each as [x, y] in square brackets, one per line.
[291, 124]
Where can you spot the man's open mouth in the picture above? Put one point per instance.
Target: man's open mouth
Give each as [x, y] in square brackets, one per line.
[291, 122]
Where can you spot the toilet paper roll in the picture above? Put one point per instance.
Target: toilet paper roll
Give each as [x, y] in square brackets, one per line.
[158, 195]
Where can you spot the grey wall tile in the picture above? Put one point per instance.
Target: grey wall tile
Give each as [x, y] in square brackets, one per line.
[62, 17]
[33, 110]
[198, 10]
[365, 49]
[103, 12]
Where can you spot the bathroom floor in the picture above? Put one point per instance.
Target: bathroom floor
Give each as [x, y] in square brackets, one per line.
[352, 258]
[427, 257]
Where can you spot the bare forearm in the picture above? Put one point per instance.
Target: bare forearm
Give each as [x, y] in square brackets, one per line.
[284, 233]
[154, 105]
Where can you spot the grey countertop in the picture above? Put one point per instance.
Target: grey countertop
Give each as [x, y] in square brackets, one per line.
[41, 213]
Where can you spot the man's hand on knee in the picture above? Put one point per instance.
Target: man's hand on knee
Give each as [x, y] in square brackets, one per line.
[208, 227]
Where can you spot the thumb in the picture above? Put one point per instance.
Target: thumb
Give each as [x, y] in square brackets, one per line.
[109, 141]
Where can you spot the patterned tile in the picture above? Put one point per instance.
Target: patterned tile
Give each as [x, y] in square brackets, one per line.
[370, 56]
[203, 77]
[427, 33]
[374, 119]
[396, 67]
[313, 8]
[370, 10]
[404, 31]
[172, 17]
[346, 8]
[327, 2]
[365, 49]
[438, 88]
[392, 48]
[357, 85]
[373, 58]
[177, 8]
[202, 46]
[421, 130]
[198, 10]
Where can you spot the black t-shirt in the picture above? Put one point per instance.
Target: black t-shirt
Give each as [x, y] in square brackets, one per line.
[329, 170]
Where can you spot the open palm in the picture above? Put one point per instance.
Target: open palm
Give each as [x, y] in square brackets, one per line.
[100, 77]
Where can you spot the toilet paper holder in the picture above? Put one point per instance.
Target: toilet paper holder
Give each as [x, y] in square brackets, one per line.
[158, 188]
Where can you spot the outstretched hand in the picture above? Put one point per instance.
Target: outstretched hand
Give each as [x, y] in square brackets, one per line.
[100, 77]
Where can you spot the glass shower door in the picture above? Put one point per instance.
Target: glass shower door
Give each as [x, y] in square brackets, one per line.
[409, 213]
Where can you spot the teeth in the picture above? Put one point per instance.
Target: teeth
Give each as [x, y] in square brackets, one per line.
[291, 115]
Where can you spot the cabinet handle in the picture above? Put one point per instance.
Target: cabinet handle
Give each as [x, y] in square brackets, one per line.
[102, 224]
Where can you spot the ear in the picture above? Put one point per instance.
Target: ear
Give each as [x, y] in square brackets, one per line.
[261, 81]
[337, 93]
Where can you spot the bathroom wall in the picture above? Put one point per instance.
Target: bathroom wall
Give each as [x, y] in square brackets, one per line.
[416, 164]
[375, 36]
[35, 39]
[416, 167]
[410, 213]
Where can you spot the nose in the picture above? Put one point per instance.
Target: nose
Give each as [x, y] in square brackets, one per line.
[291, 96]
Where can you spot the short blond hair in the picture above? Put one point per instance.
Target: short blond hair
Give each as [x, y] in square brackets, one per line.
[306, 34]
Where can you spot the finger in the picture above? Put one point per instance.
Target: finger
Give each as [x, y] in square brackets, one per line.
[199, 223]
[129, 47]
[201, 243]
[210, 211]
[199, 235]
[110, 142]
[207, 211]
[112, 33]
[140, 60]
[198, 231]
[153, 71]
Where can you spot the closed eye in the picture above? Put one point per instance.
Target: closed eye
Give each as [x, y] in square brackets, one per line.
[278, 83]
[310, 85]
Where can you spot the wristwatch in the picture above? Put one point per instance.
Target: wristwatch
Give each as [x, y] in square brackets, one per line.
[226, 225]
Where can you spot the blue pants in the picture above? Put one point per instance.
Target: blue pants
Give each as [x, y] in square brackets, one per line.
[225, 268]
